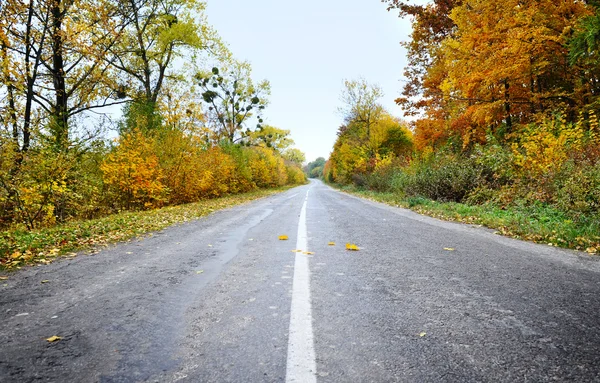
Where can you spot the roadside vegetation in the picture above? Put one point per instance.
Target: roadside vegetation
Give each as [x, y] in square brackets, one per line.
[503, 102]
[112, 107]
[41, 246]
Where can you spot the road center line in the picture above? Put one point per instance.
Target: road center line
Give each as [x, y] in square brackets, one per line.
[301, 364]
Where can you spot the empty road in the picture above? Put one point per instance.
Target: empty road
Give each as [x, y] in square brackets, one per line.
[223, 299]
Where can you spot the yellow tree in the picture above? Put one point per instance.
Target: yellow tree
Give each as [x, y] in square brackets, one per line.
[507, 61]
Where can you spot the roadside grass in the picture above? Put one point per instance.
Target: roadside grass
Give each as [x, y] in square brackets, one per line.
[21, 247]
[538, 223]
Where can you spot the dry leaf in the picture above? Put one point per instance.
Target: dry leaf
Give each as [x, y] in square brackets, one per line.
[308, 253]
[199, 271]
[296, 251]
[351, 247]
[448, 248]
[3, 278]
[53, 338]
[45, 281]
[283, 238]
[331, 244]
[422, 334]
[15, 255]
[591, 250]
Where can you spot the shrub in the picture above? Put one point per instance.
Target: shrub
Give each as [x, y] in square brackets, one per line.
[444, 177]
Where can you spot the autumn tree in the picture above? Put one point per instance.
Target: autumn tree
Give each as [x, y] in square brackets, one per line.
[506, 62]
[294, 155]
[232, 99]
[158, 32]
[422, 96]
[270, 137]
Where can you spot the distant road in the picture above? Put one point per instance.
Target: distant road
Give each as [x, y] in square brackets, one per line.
[222, 299]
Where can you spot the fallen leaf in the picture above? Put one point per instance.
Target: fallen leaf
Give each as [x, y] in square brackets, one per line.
[296, 251]
[128, 252]
[351, 247]
[53, 338]
[591, 250]
[422, 334]
[283, 238]
[308, 253]
[3, 278]
[199, 271]
[448, 248]
[45, 281]
[15, 255]
[331, 244]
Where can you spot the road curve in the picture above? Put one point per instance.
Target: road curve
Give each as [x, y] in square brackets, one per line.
[222, 299]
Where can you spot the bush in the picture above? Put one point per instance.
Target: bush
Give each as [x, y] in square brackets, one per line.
[444, 177]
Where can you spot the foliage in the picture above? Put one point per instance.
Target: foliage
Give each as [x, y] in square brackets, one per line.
[232, 98]
[133, 169]
[315, 168]
[61, 60]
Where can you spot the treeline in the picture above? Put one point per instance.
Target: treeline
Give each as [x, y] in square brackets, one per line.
[502, 99]
[184, 133]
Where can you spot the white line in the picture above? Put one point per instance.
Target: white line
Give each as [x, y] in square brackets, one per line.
[301, 364]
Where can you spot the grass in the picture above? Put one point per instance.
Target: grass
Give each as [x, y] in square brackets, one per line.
[20, 247]
[538, 223]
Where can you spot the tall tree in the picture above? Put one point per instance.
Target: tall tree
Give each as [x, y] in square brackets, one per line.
[158, 33]
[507, 61]
[232, 99]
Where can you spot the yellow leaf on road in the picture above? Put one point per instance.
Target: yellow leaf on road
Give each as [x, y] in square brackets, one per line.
[45, 281]
[351, 247]
[591, 250]
[283, 238]
[331, 244]
[199, 271]
[3, 278]
[296, 251]
[448, 248]
[53, 338]
[308, 253]
[422, 334]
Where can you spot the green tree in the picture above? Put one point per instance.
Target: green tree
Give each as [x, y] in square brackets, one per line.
[232, 99]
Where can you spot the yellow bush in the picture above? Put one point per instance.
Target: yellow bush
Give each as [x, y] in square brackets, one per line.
[133, 169]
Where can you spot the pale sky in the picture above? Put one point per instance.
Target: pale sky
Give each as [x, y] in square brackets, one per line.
[306, 49]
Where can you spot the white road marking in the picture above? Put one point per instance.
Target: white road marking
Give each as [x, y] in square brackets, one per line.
[301, 363]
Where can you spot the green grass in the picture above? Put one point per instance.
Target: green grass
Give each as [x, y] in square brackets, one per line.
[21, 247]
[538, 223]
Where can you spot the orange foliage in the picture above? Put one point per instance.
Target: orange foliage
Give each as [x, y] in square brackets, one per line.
[133, 169]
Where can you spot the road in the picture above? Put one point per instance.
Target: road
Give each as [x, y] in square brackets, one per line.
[222, 299]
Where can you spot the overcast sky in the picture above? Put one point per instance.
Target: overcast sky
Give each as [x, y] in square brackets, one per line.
[306, 49]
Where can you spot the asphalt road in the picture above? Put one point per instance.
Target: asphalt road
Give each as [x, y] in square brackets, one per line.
[222, 299]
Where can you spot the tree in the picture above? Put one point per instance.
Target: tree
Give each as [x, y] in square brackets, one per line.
[270, 137]
[362, 107]
[295, 156]
[527, 39]
[232, 98]
[314, 169]
[158, 32]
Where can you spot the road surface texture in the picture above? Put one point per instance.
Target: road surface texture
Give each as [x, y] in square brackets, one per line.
[222, 299]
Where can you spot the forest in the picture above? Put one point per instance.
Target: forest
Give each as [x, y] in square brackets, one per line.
[500, 106]
[126, 105]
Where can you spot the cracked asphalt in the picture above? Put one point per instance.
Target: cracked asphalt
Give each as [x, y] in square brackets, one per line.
[209, 301]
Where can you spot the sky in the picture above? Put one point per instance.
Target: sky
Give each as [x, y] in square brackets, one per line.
[306, 49]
